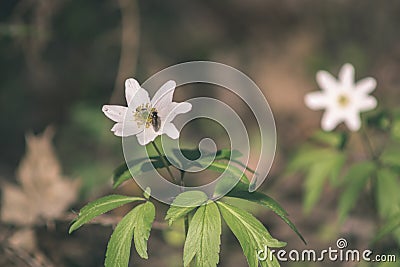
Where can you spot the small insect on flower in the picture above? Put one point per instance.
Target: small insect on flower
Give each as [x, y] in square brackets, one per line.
[155, 121]
[144, 118]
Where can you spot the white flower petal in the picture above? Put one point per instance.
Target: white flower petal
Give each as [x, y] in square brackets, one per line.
[141, 97]
[353, 121]
[125, 129]
[169, 113]
[330, 120]
[146, 136]
[115, 113]
[367, 103]
[171, 130]
[131, 88]
[366, 86]
[326, 81]
[164, 95]
[162, 99]
[346, 75]
[316, 100]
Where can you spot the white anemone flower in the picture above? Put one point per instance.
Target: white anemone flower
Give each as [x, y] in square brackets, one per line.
[342, 99]
[144, 118]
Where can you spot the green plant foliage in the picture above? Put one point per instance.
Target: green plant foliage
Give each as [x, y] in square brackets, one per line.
[336, 140]
[379, 120]
[392, 224]
[204, 237]
[241, 192]
[100, 206]
[391, 156]
[185, 203]
[356, 178]
[250, 232]
[388, 197]
[318, 164]
[395, 129]
[136, 167]
[202, 216]
[137, 224]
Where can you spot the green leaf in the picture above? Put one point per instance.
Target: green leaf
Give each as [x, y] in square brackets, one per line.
[136, 223]
[387, 192]
[391, 156]
[395, 130]
[100, 206]
[332, 139]
[147, 193]
[194, 154]
[392, 224]
[266, 201]
[356, 179]
[318, 164]
[136, 167]
[144, 220]
[230, 169]
[203, 238]
[185, 203]
[250, 232]
[139, 166]
[308, 157]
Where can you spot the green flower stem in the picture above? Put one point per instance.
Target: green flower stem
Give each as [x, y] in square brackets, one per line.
[182, 183]
[186, 219]
[375, 158]
[368, 145]
[164, 162]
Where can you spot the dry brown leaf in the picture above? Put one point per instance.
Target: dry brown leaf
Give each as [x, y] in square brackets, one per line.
[44, 194]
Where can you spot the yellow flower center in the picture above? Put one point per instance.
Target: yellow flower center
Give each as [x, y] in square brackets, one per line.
[343, 100]
[142, 115]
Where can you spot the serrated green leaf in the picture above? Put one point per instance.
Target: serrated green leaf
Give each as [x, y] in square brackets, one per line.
[308, 157]
[185, 203]
[387, 192]
[137, 224]
[230, 169]
[250, 232]
[314, 184]
[356, 178]
[204, 237]
[318, 165]
[305, 157]
[100, 206]
[266, 201]
[146, 214]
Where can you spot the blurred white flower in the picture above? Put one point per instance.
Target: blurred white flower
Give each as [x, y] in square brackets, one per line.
[342, 99]
[144, 118]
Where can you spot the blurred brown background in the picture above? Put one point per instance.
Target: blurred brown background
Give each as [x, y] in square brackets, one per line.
[62, 60]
